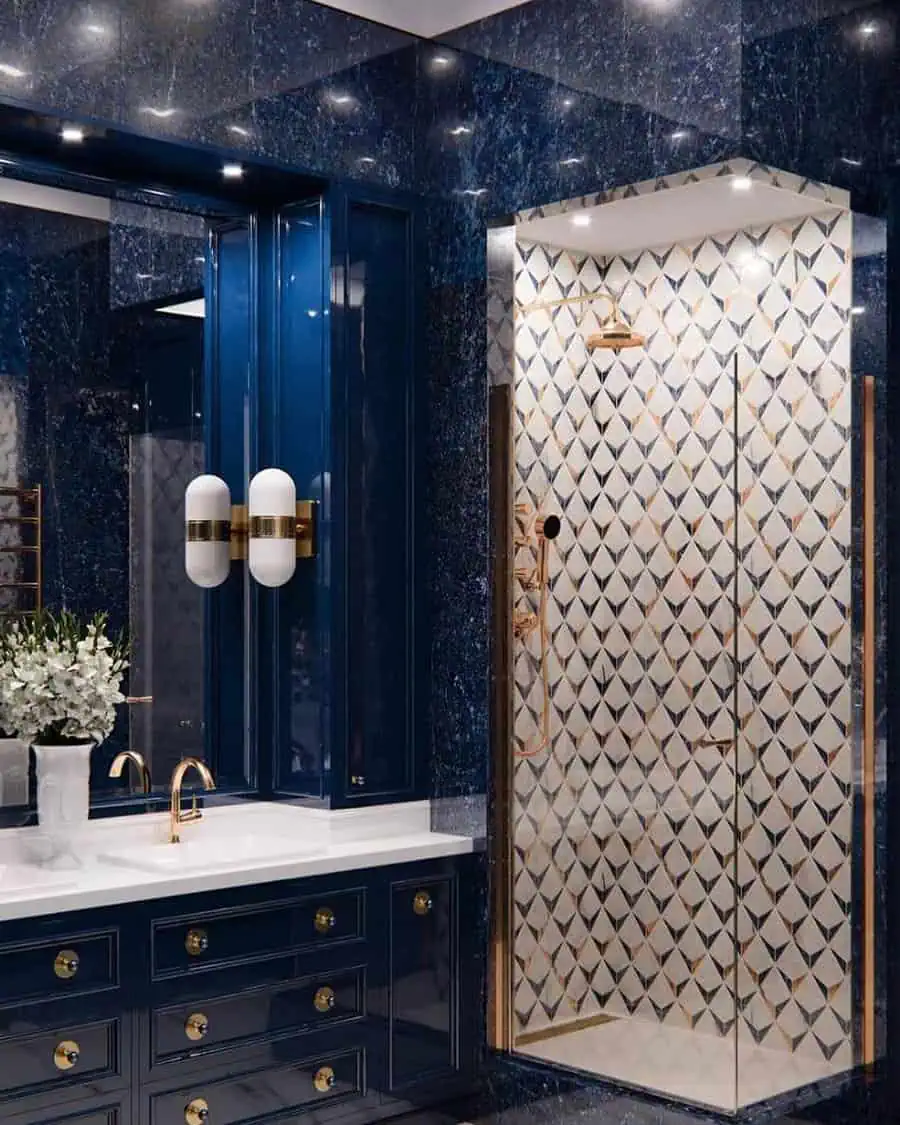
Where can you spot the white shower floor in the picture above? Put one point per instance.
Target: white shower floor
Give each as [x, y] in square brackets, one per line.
[682, 1064]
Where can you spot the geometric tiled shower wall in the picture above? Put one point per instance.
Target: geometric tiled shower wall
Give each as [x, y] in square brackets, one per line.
[630, 881]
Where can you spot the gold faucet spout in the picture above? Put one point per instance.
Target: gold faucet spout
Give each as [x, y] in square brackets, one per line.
[176, 816]
[137, 760]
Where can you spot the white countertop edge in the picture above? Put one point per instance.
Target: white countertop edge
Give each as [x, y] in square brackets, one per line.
[117, 889]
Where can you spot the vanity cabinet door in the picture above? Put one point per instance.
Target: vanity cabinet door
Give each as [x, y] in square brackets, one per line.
[423, 981]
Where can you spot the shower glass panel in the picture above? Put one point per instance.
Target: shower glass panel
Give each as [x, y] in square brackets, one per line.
[694, 814]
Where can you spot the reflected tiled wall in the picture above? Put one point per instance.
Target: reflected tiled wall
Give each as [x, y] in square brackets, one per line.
[624, 833]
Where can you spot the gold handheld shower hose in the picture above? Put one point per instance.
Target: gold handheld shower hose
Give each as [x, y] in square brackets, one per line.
[546, 529]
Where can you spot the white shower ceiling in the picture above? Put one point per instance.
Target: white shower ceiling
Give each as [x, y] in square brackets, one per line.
[424, 17]
[677, 215]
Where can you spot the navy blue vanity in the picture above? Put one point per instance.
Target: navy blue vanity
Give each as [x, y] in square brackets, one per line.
[330, 998]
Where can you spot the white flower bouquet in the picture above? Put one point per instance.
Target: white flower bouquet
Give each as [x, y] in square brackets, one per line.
[60, 679]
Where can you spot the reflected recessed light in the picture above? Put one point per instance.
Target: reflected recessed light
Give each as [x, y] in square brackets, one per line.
[367, 160]
[200, 260]
[240, 130]
[442, 61]
[868, 30]
[741, 183]
[567, 103]
[71, 134]
[473, 192]
[571, 161]
[312, 313]
[96, 29]
[852, 161]
[341, 99]
[155, 111]
[233, 171]
[145, 277]
[858, 310]
[197, 414]
[461, 131]
[679, 135]
[10, 71]
[581, 220]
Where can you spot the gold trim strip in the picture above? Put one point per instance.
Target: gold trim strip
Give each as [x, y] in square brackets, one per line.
[869, 762]
[273, 527]
[207, 531]
[563, 1029]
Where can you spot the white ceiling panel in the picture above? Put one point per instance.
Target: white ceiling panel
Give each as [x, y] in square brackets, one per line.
[424, 17]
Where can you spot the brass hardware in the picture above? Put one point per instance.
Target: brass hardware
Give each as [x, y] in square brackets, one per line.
[324, 999]
[358, 780]
[66, 1054]
[324, 920]
[196, 942]
[207, 531]
[66, 964]
[422, 903]
[524, 623]
[614, 333]
[302, 527]
[324, 1079]
[176, 816]
[137, 760]
[196, 1112]
[34, 497]
[713, 744]
[130, 699]
[196, 1027]
[528, 577]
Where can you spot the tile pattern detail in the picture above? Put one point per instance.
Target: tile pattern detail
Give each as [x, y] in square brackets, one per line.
[624, 835]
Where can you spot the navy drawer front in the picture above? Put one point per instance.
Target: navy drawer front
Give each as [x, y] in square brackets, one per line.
[309, 1086]
[107, 1113]
[59, 1059]
[74, 965]
[214, 939]
[197, 1027]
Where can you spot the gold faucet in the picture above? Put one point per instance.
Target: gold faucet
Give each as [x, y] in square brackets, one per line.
[176, 816]
[137, 760]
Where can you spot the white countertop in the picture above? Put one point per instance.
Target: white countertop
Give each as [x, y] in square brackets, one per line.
[128, 859]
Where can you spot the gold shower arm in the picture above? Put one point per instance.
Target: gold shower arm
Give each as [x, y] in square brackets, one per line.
[584, 298]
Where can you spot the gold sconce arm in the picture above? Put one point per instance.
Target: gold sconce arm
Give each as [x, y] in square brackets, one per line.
[303, 528]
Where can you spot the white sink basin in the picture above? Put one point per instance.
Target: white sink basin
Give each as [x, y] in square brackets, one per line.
[202, 852]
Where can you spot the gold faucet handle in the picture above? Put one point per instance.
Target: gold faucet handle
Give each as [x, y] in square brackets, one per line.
[193, 813]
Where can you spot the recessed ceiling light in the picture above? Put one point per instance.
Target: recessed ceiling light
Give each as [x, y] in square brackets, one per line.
[240, 130]
[97, 29]
[145, 276]
[679, 135]
[858, 310]
[233, 171]
[71, 134]
[581, 220]
[367, 160]
[473, 192]
[852, 161]
[10, 71]
[461, 131]
[442, 61]
[341, 99]
[571, 161]
[741, 183]
[200, 260]
[567, 103]
[868, 29]
[161, 113]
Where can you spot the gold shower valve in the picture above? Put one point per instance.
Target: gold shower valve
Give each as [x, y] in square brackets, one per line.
[524, 623]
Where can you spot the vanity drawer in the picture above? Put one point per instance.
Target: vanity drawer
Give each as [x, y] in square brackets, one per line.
[74, 965]
[197, 1027]
[64, 1057]
[211, 940]
[260, 1095]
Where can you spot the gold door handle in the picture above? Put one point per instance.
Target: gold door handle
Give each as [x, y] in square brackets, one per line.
[196, 1112]
[324, 999]
[66, 964]
[66, 1054]
[196, 1027]
[422, 903]
[324, 1079]
[324, 920]
[196, 942]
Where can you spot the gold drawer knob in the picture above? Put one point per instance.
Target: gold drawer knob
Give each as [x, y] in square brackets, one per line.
[422, 903]
[196, 1027]
[324, 920]
[66, 964]
[66, 1054]
[196, 1112]
[324, 1079]
[196, 942]
[324, 999]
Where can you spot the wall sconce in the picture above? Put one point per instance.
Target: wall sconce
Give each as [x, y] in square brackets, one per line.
[272, 531]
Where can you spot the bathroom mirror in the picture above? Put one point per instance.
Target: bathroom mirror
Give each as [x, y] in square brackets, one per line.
[113, 382]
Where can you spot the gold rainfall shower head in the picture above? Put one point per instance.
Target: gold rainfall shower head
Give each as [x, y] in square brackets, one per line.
[616, 334]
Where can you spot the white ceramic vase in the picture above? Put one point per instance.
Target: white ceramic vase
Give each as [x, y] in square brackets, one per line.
[63, 800]
[13, 773]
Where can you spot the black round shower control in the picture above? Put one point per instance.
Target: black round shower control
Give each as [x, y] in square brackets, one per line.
[552, 527]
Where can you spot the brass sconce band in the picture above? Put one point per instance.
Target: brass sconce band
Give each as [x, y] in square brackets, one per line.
[273, 527]
[207, 531]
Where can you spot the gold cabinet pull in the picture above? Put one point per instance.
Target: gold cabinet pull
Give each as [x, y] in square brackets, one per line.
[324, 999]
[66, 1054]
[66, 964]
[196, 1112]
[196, 1027]
[196, 942]
[422, 903]
[324, 1079]
[324, 920]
